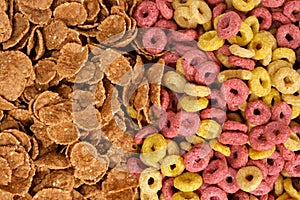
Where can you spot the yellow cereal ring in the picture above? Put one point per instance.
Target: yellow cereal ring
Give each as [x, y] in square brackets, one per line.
[201, 12]
[154, 147]
[266, 61]
[261, 44]
[257, 155]
[272, 98]
[253, 22]
[251, 197]
[293, 143]
[216, 20]
[277, 64]
[172, 165]
[182, 16]
[246, 36]
[207, 26]
[209, 41]
[270, 37]
[260, 82]
[148, 196]
[185, 196]
[284, 196]
[286, 80]
[192, 104]
[149, 163]
[193, 139]
[224, 60]
[196, 90]
[188, 182]
[278, 186]
[244, 6]
[174, 81]
[179, 68]
[284, 173]
[217, 146]
[172, 148]
[295, 111]
[249, 178]
[186, 146]
[131, 112]
[291, 99]
[150, 181]
[289, 188]
[284, 53]
[209, 129]
[179, 3]
[241, 52]
[237, 73]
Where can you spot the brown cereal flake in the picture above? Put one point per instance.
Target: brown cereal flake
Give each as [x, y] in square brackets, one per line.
[22, 115]
[76, 195]
[89, 191]
[7, 138]
[9, 122]
[5, 27]
[6, 195]
[63, 133]
[1, 115]
[111, 29]
[93, 8]
[71, 59]
[127, 194]
[72, 13]
[41, 5]
[55, 33]
[99, 94]
[6, 105]
[20, 29]
[141, 98]
[88, 118]
[55, 114]
[86, 73]
[40, 132]
[36, 16]
[25, 197]
[34, 153]
[83, 154]
[6, 172]
[45, 71]
[22, 137]
[52, 194]
[3, 5]
[138, 70]
[156, 71]
[82, 99]
[53, 160]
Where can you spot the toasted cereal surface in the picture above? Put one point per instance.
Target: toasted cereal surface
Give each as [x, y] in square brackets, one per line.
[149, 99]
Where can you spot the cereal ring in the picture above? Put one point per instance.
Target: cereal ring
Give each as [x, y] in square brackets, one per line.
[188, 182]
[165, 8]
[183, 17]
[293, 143]
[243, 63]
[154, 147]
[253, 22]
[234, 91]
[154, 40]
[277, 132]
[200, 11]
[279, 19]
[288, 35]
[169, 124]
[212, 192]
[278, 186]
[216, 100]
[174, 81]
[285, 153]
[292, 167]
[260, 165]
[135, 166]
[240, 51]
[224, 50]
[249, 178]
[218, 10]
[258, 139]
[195, 57]
[272, 98]
[150, 181]
[230, 125]
[196, 90]
[291, 10]
[295, 111]
[209, 41]
[215, 172]
[166, 24]
[198, 157]
[212, 2]
[167, 188]
[219, 148]
[260, 82]
[275, 65]
[189, 123]
[209, 129]
[233, 138]
[172, 165]
[284, 53]
[243, 6]
[186, 146]
[178, 3]
[146, 14]
[206, 73]
[272, 3]
[291, 99]
[286, 80]
[241, 195]
[274, 163]
[228, 25]
[223, 59]
[257, 155]
[282, 112]
[264, 15]
[257, 112]
[262, 189]
[290, 189]
[192, 104]
[213, 113]
[143, 133]
[228, 184]
[173, 101]
[238, 157]
[185, 195]
[261, 44]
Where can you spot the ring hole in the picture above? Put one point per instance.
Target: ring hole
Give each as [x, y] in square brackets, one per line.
[296, 94]
[295, 12]
[153, 148]
[239, 34]
[235, 154]
[260, 20]
[233, 91]
[150, 181]
[207, 74]
[256, 112]
[273, 101]
[213, 101]
[281, 115]
[277, 132]
[262, 137]
[229, 179]
[214, 198]
[287, 80]
[183, 1]
[270, 161]
[258, 46]
[168, 123]
[249, 178]
[153, 40]
[145, 14]
[289, 37]
[172, 167]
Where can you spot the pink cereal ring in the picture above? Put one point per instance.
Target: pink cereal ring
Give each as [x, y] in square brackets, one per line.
[195, 57]
[230, 125]
[183, 47]
[282, 112]
[262, 189]
[229, 25]
[215, 172]
[146, 14]
[280, 18]
[272, 3]
[211, 56]
[170, 58]
[173, 101]
[228, 184]
[296, 129]
[191, 34]
[166, 24]
[257, 112]
[233, 138]
[288, 35]
[224, 50]
[267, 197]
[293, 167]
[189, 123]
[218, 10]
[189, 70]
[198, 157]
[213, 113]
[277, 132]
[216, 100]
[258, 139]
[169, 124]
[291, 9]
[244, 63]
[274, 163]
[271, 179]
[165, 8]
[238, 157]
[207, 73]
[240, 195]
[164, 99]
[285, 153]
[213, 192]
[135, 166]
[260, 165]
[264, 15]
[154, 40]
[234, 91]
[143, 133]
[212, 2]
[167, 188]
